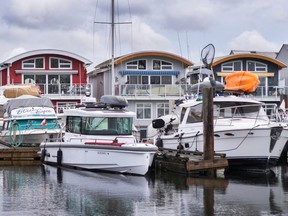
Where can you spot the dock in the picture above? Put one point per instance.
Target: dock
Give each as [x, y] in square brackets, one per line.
[187, 162]
[19, 156]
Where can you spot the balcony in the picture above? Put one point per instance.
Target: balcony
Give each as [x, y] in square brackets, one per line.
[58, 91]
[142, 91]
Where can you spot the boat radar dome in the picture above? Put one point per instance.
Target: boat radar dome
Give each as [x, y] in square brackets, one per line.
[114, 101]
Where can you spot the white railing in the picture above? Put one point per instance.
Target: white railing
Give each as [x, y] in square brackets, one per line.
[64, 89]
[273, 92]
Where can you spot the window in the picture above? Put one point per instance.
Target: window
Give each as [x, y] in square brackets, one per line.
[155, 79]
[134, 79]
[36, 63]
[162, 109]
[162, 65]
[195, 114]
[61, 106]
[99, 125]
[50, 84]
[232, 66]
[256, 66]
[143, 111]
[166, 79]
[136, 65]
[60, 63]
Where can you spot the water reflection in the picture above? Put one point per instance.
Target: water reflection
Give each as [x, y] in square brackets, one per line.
[46, 190]
[91, 193]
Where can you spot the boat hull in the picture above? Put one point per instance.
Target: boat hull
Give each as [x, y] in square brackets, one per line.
[28, 137]
[257, 147]
[121, 159]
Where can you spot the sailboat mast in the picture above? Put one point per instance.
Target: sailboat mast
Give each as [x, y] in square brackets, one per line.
[112, 48]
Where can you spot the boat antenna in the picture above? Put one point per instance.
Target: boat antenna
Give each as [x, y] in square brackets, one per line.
[113, 23]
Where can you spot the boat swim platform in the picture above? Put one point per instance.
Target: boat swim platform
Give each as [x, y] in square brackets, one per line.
[20, 156]
[187, 162]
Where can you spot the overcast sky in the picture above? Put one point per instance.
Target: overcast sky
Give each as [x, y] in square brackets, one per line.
[182, 27]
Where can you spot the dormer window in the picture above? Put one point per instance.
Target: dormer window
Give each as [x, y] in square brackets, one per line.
[56, 63]
[136, 65]
[36, 63]
[162, 65]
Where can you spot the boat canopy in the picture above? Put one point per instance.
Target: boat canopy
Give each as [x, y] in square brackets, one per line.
[30, 101]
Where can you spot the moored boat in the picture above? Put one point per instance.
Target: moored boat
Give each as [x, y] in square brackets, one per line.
[100, 137]
[242, 131]
[28, 121]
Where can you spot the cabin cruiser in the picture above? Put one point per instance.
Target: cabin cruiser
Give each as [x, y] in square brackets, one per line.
[27, 121]
[100, 137]
[242, 131]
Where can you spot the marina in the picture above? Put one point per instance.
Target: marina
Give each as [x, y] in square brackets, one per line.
[144, 133]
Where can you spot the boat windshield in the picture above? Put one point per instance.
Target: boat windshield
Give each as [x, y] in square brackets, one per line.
[226, 110]
[239, 110]
[99, 125]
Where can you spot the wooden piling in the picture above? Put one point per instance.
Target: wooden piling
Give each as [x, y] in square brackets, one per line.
[208, 128]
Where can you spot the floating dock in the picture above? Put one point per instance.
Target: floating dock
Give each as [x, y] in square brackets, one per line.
[188, 162]
[19, 156]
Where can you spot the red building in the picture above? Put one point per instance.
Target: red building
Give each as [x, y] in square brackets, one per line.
[60, 75]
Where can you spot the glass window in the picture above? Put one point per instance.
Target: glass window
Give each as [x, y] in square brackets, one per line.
[107, 125]
[162, 65]
[65, 83]
[29, 79]
[156, 65]
[166, 80]
[145, 80]
[136, 65]
[155, 80]
[54, 63]
[33, 63]
[73, 124]
[256, 66]
[251, 66]
[143, 111]
[195, 114]
[166, 65]
[60, 63]
[41, 82]
[162, 109]
[142, 65]
[132, 65]
[53, 84]
[232, 66]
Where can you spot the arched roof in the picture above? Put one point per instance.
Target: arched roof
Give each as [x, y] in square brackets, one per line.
[153, 53]
[47, 51]
[248, 55]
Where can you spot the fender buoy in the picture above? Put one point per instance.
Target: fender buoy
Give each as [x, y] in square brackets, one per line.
[43, 155]
[159, 143]
[59, 157]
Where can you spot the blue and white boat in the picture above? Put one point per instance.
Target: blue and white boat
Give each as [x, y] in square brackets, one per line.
[28, 121]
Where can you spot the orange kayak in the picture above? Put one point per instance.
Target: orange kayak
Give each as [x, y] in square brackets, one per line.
[242, 81]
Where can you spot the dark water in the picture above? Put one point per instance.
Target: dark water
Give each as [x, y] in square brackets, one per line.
[47, 191]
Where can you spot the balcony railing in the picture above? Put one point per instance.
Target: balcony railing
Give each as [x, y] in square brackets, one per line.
[182, 90]
[64, 89]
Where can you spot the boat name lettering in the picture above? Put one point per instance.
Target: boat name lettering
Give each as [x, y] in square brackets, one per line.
[33, 110]
[103, 153]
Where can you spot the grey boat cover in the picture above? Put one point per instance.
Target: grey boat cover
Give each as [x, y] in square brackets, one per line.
[30, 101]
